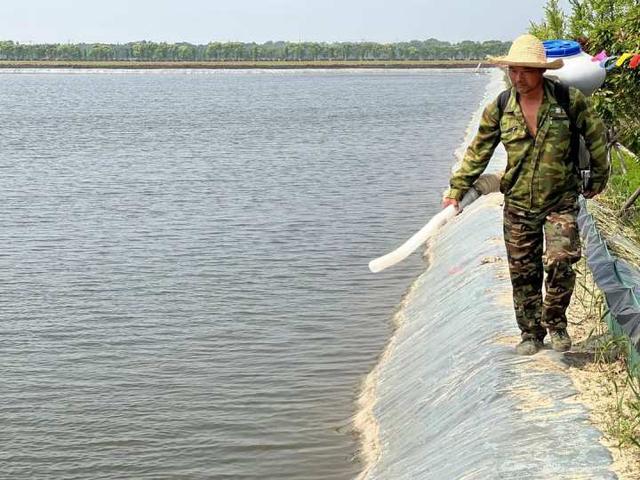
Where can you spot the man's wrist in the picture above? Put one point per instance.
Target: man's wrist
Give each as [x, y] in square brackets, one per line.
[455, 194]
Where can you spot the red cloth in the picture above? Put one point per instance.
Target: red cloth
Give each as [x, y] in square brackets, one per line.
[635, 61]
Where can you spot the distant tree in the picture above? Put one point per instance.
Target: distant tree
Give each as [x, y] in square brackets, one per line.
[100, 51]
[186, 52]
[161, 52]
[145, 51]
[67, 52]
[7, 50]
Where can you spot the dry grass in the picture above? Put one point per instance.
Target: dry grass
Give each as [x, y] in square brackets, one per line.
[625, 179]
[601, 375]
[601, 368]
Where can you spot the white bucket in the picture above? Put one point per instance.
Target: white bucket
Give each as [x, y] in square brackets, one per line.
[579, 70]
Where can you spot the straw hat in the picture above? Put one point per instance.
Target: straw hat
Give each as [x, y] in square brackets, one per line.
[527, 51]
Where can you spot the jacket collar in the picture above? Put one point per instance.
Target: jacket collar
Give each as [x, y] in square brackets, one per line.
[512, 103]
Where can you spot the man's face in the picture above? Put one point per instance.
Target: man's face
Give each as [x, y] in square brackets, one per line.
[526, 79]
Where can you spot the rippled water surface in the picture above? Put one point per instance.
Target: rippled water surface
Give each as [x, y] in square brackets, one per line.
[184, 289]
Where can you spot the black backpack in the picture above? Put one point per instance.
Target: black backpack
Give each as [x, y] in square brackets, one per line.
[578, 151]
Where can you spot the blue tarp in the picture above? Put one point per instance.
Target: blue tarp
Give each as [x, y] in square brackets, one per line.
[618, 280]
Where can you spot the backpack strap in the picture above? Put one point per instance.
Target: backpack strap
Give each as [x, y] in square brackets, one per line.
[503, 98]
[562, 96]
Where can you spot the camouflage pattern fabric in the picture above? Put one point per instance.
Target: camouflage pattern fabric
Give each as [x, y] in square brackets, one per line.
[540, 186]
[523, 235]
[539, 173]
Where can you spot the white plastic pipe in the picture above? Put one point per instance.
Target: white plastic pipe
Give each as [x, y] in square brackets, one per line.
[422, 235]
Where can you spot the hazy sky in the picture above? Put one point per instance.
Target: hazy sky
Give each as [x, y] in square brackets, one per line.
[201, 21]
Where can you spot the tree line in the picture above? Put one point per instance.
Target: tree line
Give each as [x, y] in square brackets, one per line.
[430, 49]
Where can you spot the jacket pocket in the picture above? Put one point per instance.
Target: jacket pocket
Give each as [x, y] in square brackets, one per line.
[512, 134]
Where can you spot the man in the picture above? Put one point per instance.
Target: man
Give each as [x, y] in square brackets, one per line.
[540, 187]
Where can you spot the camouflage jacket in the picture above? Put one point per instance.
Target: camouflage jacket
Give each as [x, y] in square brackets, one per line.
[538, 173]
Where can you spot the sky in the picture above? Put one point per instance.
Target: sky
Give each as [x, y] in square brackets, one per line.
[202, 21]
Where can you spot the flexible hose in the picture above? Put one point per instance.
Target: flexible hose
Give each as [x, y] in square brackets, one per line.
[485, 184]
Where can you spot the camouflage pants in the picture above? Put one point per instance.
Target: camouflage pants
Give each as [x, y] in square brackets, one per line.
[523, 235]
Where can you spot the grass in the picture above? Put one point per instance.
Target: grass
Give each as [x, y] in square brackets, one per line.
[623, 385]
[625, 179]
[606, 374]
[611, 376]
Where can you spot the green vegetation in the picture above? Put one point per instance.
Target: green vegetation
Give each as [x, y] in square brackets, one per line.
[231, 64]
[607, 353]
[430, 49]
[614, 26]
[625, 180]
[614, 357]
[553, 25]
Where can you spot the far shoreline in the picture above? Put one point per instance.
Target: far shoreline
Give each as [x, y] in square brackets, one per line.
[274, 65]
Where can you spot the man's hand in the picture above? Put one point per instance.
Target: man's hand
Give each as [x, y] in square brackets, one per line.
[451, 201]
